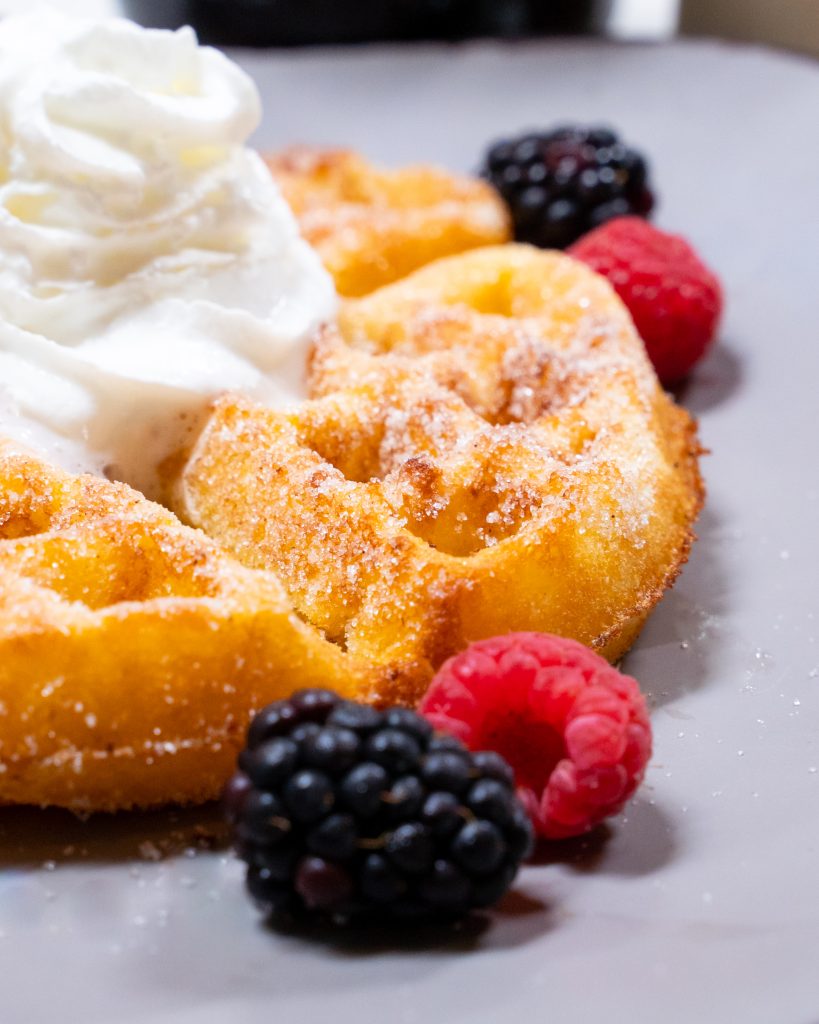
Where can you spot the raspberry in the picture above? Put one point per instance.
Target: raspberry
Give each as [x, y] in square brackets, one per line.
[674, 299]
[342, 811]
[560, 183]
[574, 729]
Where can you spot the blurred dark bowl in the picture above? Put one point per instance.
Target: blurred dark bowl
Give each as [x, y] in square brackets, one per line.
[305, 22]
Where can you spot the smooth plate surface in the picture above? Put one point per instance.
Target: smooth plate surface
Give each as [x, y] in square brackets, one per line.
[701, 903]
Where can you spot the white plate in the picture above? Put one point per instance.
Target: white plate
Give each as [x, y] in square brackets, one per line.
[701, 903]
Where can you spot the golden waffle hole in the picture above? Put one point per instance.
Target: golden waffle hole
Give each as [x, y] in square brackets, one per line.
[35, 498]
[116, 567]
[355, 452]
[459, 520]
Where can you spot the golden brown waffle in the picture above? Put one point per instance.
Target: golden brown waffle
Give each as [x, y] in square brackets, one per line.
[373, 226]
[132, 649]
[490, 451]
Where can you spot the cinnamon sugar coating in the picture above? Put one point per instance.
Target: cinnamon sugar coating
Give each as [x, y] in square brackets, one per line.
[372, 226]
[133, 650]
[488, 450]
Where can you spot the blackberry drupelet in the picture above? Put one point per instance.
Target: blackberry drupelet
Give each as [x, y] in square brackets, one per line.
[562, 183]
[344, 812]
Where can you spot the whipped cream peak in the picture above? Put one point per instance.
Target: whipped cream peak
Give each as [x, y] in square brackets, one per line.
[110, 102]
[145, 252]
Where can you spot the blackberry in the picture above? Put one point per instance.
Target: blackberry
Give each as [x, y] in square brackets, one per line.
[345, 812]
[562, 183]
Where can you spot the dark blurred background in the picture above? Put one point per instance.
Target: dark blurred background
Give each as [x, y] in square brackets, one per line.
[793, 24]
[300, 22]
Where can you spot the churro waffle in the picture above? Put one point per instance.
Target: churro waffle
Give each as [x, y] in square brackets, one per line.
[133, 649]
[372, 226]
[488, 450]
[485, 448]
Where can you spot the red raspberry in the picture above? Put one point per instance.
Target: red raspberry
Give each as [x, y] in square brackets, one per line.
[574, 729]
[674, 299]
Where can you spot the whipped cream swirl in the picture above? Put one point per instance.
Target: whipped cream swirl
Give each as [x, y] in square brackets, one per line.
[147, 259]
